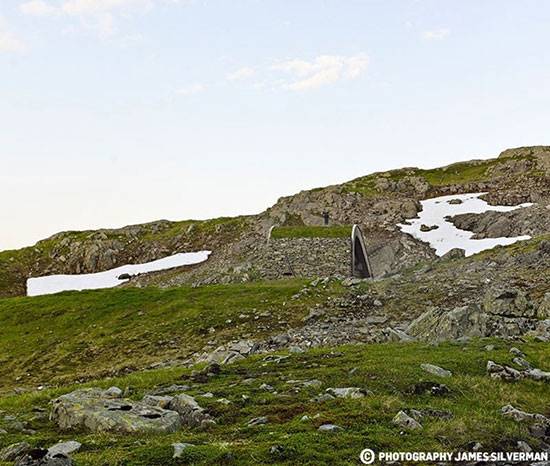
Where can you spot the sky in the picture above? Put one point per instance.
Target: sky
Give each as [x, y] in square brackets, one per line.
[115, 112]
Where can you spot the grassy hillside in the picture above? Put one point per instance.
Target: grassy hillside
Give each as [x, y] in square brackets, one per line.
[473, 402]
[460, 173]
[78, 335]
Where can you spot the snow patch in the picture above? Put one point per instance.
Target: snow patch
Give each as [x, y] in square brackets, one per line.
[109, 278]
[446, 236]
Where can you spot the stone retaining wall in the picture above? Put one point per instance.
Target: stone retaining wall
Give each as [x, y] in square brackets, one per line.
[306, 257]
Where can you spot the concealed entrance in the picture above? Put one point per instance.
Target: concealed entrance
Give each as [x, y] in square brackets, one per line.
[360, 264]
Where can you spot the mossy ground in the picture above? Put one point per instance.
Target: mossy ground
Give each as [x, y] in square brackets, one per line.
[385, 369]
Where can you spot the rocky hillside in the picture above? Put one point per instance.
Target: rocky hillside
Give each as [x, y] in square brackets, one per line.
[217, 364]
[377, 202]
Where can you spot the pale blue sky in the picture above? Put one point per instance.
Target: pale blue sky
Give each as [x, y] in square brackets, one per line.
[122, 111]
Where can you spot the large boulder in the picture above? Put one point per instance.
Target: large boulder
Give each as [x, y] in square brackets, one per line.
[468, 321]
[508, 302]
[438, 324]
[93, 410]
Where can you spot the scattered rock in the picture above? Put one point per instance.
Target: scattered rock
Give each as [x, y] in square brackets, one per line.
[257, 421]
[431, 388]
[179, 449]
[192, 415]
[496, 371]
[113, 392]
[64, 448]
[234, 352]
[314, 314]
[522, 416]
[436, 370]
[348, 392]
[277, 450]
[522, 363]
[41, 457]
[392, 334]
[524, 447]
[321, 398]
[14, 451]
[332, 428]
[537, 374]
[517, 352]
[402, 419]
[428, 227]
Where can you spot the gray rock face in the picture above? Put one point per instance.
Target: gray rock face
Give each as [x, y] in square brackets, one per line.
[436, 370]
[403, 420]
[439, 325]
[91, 409]
[471, 321]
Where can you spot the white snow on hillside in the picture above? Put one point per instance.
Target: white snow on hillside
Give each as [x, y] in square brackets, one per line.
[447, 236]
[108, 279]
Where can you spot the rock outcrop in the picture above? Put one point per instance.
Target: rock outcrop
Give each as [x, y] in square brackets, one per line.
[94, 410]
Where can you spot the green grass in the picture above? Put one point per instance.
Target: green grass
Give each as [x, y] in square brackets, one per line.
[455, 174]
[474, 401]
[336, 231]
[42, 339]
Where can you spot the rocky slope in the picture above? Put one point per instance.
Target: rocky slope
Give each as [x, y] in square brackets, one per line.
[293, 371]
[377, 202]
